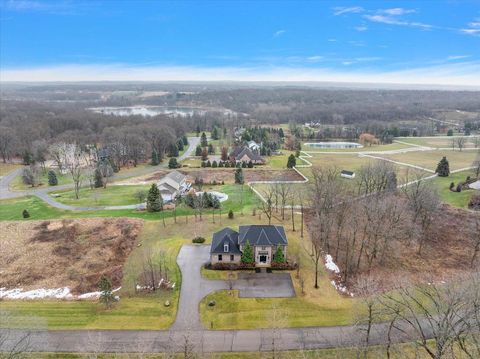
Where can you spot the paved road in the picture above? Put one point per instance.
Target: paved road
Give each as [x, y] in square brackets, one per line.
[42, 193]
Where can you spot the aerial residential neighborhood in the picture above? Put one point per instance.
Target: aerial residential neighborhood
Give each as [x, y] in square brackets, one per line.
[239, 180]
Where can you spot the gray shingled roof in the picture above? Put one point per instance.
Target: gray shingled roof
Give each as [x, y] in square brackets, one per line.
[226, 235]
[239, 152]
[262, 235]
[176, 176]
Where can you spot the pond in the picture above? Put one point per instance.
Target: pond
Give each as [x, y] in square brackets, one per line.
[156, 110]
[334, 145]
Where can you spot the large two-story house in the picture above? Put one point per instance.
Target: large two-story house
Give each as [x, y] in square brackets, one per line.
[173, 185]
[227, 244]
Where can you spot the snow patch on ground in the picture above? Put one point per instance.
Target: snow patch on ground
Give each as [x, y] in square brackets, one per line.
[45, 293]
[332, 267]
[330, 264]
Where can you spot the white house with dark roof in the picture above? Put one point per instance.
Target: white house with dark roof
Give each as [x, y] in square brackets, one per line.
[227, 244]
[347, 174]
[173, 185]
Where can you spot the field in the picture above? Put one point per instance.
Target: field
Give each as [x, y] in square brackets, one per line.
[430, 159]
[389, 147]
[73, 253]
[439, 142]
[454, 198]
[18, 185]
[8, 167]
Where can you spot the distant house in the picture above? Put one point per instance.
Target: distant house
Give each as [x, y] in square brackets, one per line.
[173, 185]
[227, 244]
[244, 154]
[253, 146]
[347, 174]
[238, 132]
[103, 154]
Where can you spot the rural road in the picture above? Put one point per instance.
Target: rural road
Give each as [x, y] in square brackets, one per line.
[42, 193]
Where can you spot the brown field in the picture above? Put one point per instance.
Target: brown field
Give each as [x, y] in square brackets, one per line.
[73, 253]
[227, 175]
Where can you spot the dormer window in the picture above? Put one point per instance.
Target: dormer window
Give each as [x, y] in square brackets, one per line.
[225, 247]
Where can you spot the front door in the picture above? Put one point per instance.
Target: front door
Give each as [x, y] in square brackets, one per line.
[263, 259]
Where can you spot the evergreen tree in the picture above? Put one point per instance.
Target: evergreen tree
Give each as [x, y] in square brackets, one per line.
[450, 132]
[214, 164]
[211, 149]
[154, 199]
[52, 178]
[292, 161]
[280, 133]
[250, 164]
[180, 145]
[198, 151]
[247, 254]
[209, 164]
[197, 130]
[230, 214]
[172, 163]
[203, 140]
[27, 158]
[215, 134]
[278, 257]
[443, 168]
[25, 214]
[220, 164]
[173, 150]
[204, 154]
[185, 140]
[97, 179]
[155, 159]
[244, 164]
[106, 294]
[239, 176]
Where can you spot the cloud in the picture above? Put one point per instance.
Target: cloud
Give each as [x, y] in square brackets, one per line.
[361, 28]
[315, 58]
[397, 11]
[457, 57]
[341, 10]
[332, 40]
[392, 20]
[473, 28]
[279, 33]
[456, 73]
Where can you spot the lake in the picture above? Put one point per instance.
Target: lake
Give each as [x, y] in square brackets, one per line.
[157, 110]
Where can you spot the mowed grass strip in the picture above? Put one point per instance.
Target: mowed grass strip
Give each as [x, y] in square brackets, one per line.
[143, 313]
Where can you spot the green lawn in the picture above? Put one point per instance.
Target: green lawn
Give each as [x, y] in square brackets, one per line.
[111, 196]
[441, 142]
[430, 159]
[18, 185]
[389, 147]
[454, 198]
[11, 209]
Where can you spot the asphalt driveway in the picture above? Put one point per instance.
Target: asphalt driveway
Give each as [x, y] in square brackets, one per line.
[264, 285]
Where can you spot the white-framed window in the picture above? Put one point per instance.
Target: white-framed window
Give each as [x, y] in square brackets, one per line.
[220, 258]
[225, 247]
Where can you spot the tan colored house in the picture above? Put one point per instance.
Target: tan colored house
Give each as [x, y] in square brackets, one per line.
[173, 185]
[227, 244]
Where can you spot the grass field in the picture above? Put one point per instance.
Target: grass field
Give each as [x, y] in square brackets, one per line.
[8, 167]
[18, 185]
[430, 159]
[11, 209]
[454, 198]
[110, 196]
[440, 142]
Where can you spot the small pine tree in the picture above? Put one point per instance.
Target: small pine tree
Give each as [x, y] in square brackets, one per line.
[221, 164]
[292, 161]
[443, 168]
[450, 132]
[211, 149]
[278, 257]
[173, 150]
[198, 151]
[197, 130]
[172, 163]
[97, 179]
[214, 164]
[180, 145]
[280, 133]
[106, 294]
[247, 254]
[203, 140]
[185, 140]
[154, 199]
[239, 176]
[25, 214]
[250, 164]
[230, 214]
[209, 164]
[244, 164]
[155, 160]
[52, 178]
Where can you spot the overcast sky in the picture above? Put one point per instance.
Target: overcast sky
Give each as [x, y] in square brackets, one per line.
[424, 42]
